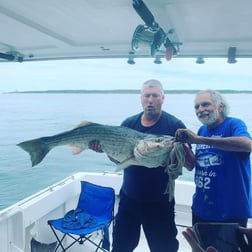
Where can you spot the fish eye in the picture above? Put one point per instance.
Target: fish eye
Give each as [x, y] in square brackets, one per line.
[159, 140]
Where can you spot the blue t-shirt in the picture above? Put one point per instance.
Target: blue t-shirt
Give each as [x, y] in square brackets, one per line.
[222, 178]
[148, 184]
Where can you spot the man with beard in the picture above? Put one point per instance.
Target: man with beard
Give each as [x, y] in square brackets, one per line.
[222, 167]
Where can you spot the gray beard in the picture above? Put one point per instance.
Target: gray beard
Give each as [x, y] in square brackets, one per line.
[212, 118]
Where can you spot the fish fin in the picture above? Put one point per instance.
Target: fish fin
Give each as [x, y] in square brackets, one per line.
[37, 149]
[125, 164]
[84, 123]
[76, 150]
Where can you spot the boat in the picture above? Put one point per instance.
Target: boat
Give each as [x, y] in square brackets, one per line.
[28, 218]
[94, 29]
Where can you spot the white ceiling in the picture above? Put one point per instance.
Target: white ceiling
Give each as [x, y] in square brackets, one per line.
[59, 29]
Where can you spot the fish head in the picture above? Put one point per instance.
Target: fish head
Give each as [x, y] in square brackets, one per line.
[153, 151]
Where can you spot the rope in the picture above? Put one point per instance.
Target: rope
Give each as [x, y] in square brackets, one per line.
[174, 166]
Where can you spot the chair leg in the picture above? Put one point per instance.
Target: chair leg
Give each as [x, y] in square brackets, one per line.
[60, 241]
[81, 239]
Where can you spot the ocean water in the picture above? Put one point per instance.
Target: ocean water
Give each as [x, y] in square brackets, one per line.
[27, 116]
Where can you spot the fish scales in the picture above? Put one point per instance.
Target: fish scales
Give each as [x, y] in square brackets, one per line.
[118, 142]
[124, 145]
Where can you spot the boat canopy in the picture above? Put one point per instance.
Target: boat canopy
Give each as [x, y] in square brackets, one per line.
[61, 29]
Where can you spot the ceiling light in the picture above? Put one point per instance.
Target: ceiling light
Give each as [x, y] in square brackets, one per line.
[200, 60]
[232, 55]
[157, 60]
[131, 60]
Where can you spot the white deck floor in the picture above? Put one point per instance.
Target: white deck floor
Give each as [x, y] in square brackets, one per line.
[142, 246]
[182, 218]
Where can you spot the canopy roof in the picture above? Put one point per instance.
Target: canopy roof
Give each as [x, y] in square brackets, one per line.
[63, 29]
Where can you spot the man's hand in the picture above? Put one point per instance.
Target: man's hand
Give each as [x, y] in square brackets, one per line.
[190, 237]
[189, 157]
[248, 233]
[185, 136]
[95, 146]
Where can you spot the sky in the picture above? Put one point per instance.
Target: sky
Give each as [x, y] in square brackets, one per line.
[98, 74]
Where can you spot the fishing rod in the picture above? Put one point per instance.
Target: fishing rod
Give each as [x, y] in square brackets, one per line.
[151, 32]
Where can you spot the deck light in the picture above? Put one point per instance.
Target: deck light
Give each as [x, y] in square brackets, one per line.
[157, 60]
[232, 55]
[131, 60]
[200, 60]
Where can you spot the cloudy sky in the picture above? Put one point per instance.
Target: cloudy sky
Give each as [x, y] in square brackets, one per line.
[117, 74]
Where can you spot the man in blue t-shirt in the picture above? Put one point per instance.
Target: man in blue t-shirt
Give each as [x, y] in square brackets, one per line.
[142, 198]
[222, 167]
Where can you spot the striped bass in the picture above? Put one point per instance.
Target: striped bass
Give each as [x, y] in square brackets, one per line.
[125, 145]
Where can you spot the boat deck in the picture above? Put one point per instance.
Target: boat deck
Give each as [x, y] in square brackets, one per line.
[142, 246]
[182, 220]
[182, 216]
[28, 218]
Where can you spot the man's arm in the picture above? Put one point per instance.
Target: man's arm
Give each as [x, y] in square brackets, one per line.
[191, 239]
[95, 146]
[189, 157]
[238, 144]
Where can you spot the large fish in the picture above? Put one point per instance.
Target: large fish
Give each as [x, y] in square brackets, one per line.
[125, 145]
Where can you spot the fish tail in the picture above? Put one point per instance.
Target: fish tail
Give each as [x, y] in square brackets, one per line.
[36, 148]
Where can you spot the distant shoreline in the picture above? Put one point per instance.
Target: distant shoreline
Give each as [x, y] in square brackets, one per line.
[121, 91]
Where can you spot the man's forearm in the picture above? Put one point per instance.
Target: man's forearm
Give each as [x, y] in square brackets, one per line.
[239, 144]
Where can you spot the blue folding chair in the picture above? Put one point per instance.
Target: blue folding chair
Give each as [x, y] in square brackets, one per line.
[94, 212]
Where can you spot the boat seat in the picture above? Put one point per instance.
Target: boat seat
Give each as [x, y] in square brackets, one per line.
[94, 213]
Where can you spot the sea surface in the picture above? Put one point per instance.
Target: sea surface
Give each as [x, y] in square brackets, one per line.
[27, 116]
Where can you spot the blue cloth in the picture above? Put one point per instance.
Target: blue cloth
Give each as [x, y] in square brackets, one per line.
[222, 178]
[77, 219]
